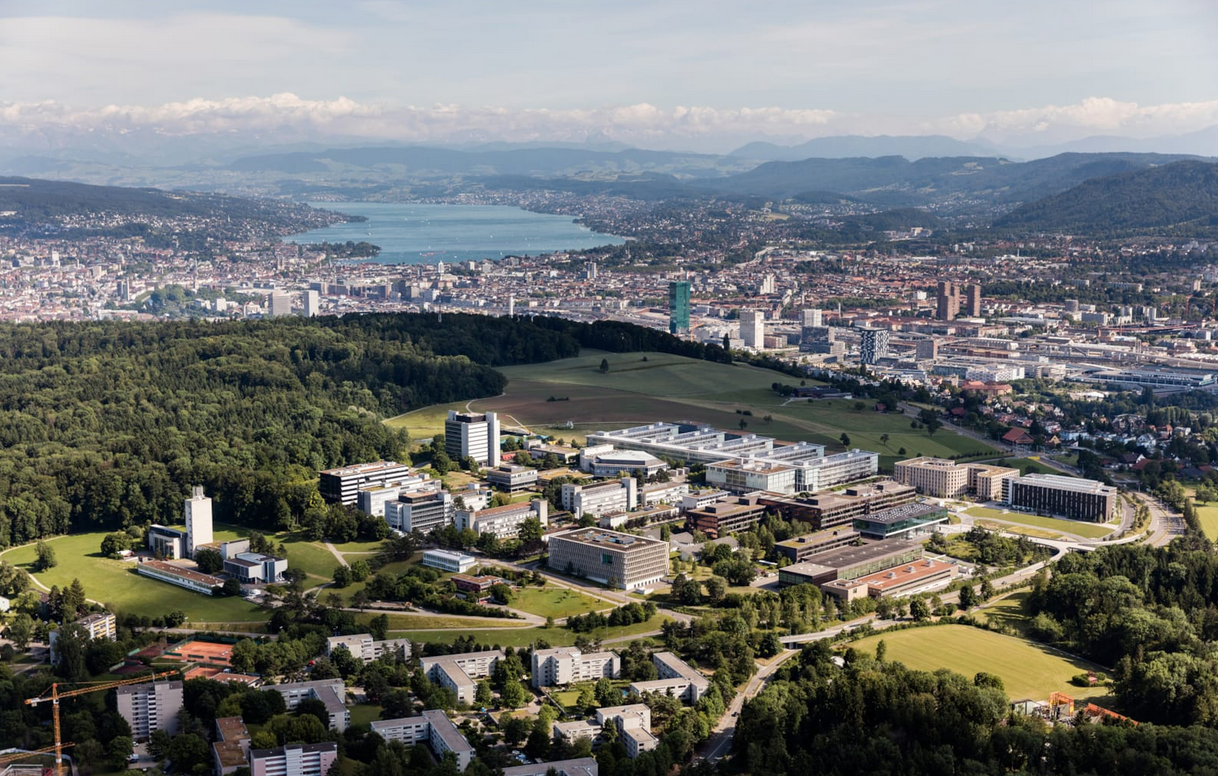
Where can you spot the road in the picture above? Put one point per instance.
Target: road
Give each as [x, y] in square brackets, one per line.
[716, 747]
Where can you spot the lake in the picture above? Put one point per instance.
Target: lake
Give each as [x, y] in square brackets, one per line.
[426, 234]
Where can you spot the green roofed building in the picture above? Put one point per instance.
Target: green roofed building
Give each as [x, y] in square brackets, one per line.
[678, 307]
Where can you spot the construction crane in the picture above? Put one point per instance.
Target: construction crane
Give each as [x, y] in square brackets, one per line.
[53, 695]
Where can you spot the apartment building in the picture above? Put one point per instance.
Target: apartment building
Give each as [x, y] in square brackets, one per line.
[432, 727]
[676, 678]
[460, 673]
[633, 723]
[581, 766]
[1052, 494]
[602, 498]
[231, 750]
[331, 692]
[613, 558]
[366, 648]
[564, 665]
[502, 522]
[420, 511]
[294, 760]
[149, 707]
[342, 485]
[472, 435]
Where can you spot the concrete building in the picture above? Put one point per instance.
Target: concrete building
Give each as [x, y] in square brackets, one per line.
[908, 521]
[659, 493]
[618, 463]
[446, 560]
[677, 678]
[502, 522]
[294, 760]
[752, 328]
[800, 548]
[827, 510]
[899, 581]
[873, 346]
[460, 673]
[342, 485]
[850, 562]
[564, 665]
[991, 483]
[232, 747]
[582, 766]
[420, 511]
[943, 478]
[601, 498]
[726, 517]
[198, 520]
[432, 727]
[927, 349]
[279, 304]
[1052, 494]
[254, 568]
[749, 476]
[617, 559]
[820, 339]
[472, 435]
[150, 706]
[193, 581]
[633, 723]
[812, 317]
[312, 303]
[331, 692]
[367, 649]
[511, 477]
[972, 300]
[947, 301]
[99, 625]
[373, 499]
[678, 308]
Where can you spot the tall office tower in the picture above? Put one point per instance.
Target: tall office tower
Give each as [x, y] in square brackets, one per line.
[768, 286]
[813, 317]
[590, 271]
[124, 290]
[948, 299]
[927, 350]
[972, 300]
[874, 346]
[198, 520]
[511, 306]
[312, 304]
[280, 304]
[472, 435]
[678, 307]
[752, 328]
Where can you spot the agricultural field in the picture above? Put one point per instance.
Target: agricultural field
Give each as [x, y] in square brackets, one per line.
[556, 602]
[1076, 527]
[1027, 669]
[668, 387]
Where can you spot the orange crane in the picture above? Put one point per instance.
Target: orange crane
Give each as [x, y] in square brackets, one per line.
[14, 756]
[53, 695]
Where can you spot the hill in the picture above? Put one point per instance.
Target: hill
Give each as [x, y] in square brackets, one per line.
[1180, 197]
[911, 147]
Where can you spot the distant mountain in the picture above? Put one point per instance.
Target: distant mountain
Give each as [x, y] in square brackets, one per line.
[912, 147]
[896, 181]
[1181, 197]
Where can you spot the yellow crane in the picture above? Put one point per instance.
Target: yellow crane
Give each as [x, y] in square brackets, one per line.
[54, 695]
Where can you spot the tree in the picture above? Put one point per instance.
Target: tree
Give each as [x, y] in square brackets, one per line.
[21, 631]
[716, 588]
[968, 597]
[46, 557]
[360, 570]
[987, 590]
[606, 694]
[844, 439]
[743, 424]
[342, 576]
[73, 602]
[483, 695]
[378, 627]
[208, 560]
[881, 650]
[501, 593]
[515, 730]
[604, 365]
[919, 609]
[531, 530]
[513, 695]
[232, 587]
[884, 439]
[115, 544]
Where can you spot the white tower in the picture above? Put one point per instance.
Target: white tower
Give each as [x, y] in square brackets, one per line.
[312, 303]
[752, 328]
[198, 520]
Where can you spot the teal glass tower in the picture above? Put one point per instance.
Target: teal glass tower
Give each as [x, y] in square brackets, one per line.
[678, 307]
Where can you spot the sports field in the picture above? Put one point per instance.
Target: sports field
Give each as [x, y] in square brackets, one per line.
[667, 387]
[1027, 669]
[1076, 527]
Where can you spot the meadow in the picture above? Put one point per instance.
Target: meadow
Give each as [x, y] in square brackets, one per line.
[1075, 527]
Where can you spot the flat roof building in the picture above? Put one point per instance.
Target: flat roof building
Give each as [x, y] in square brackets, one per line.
[801, 548]
[182, 577]
[432, 727]
[850, 562]
[613, 558]
[943, 478]
[564, 665]
[512, 477]
[1052, 494]
[839, 508]
[294, 760]
[446, 560]
[904, 522]
[460, 673]
[748, 476]
[342, 485]
[149, 707]
[723, 518]
[472, 435]
[908, 579]
[503, 522]
[582, 766]
[331, 692]
[367, 649]
[677, 678]
[602, 498]
[421, 511]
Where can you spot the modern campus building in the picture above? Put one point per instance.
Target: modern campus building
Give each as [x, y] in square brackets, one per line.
[850, 562]
[256, 568]
[581, 766]
[691, 443]
[618, 463]
[512, 477]
[838, 508]
[294, 760]
[472, 435]
[422, 511]
[446, 560]
[616, 559]
[873, 345]
[366, 648]
[460, 673]
[174, 543]
[678, 308]
[373, 498]
[432, 727]
[564, 665]
[662, 493]
[726, 517]
[331, 692]
[193, 581]
[908, 579]
[943, 478]
[342, 486]
[150, 706]
[800, 548]
[908, 521]
[748, 476]
[677, 678]
[602, 498]
[1052, 494]
[502, 522]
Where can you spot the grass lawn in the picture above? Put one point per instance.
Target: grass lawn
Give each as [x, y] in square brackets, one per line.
[359, 548]
[1036, 465]
[556, 602]
[1027, 669]
[1076, 527]
[1007, 610]
[311, 558]
[116, 584]
[1208, 515]
[436, 621]
[1023, 530]
[425, 422]
[364, 713]
[523, 637]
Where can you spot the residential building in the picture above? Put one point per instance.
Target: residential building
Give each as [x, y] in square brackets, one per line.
[972, 300]
[904, 522]
[445, 560]
[279, 304]
[149, 707]
[947, 301]
[366, 648]
[723, 518]
[420, 511]
[502, 522]
[812, 317]
[850, 562]
[256, 568]
[511, 477]
[294, 760]
[873, 346]
[927, 349]
[677, 678]
[232, 747]
[752, 328]
[342, 486]
[331, 692]
[472, 435]
[99, 625]
[749, 476]
[432, 727]
[820, 339]
[617, 559]
[564, 665]
[633, 723]
[182, 577]
[460, 673]
[678, 308]
[827, 510]
[582, 766]
[801, 548]
[908, 579]
[601, 498]
[1071, 497]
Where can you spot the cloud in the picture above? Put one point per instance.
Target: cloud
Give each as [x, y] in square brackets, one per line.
[1094, 115]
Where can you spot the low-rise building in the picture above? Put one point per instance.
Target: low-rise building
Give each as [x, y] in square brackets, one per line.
[904, 522]
[800, 548]
[659, 493]
[617, 559]
[747, 476]
[582, 766]
[366, 648]
[511, 477]
[633, 723]
[908, 579]
[194, 581]
[827, 510]
[502, 522]
[677, 678]
[294, 760]
[600, 499]
[618, 463]
[850, 562]
[460, 673]
[1071, 497]
[256, 568]
[729, 516]
[446, 560]
[331, 692]
[564, 665]
[232, 747]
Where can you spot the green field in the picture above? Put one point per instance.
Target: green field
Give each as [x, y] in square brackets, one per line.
[364, 713]
[524, 637]
[1007, 611]
[1023, 464]
[1076, 527]
[556, 602]
[437, 621]
[1208, 515]
[116, 584]
[309, 557]
[667, 387]
[1027, 669]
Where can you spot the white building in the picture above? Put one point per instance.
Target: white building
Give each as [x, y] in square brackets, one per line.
[294, 760]
[198, 520]
[331, 692]
[749, 476]
[312, 304]
[444, 560]
[421, 511]
[366, 648]
[677, 678]
[432, 727]
[624, 462]
[460, 673]
[752, 328]
[254, 568]
[564, 665]
[149, 707]
[342, 485]
[600, 499]
[279, 304]
[502, 522]
[472, 435]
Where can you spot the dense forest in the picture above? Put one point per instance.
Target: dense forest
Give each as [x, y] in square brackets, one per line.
[108, 424]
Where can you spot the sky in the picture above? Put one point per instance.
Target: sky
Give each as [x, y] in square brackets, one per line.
[655, 72]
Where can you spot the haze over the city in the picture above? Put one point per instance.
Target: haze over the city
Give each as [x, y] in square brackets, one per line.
[692, 75]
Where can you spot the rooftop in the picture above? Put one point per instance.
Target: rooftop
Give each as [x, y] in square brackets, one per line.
[844, 557]
[600, 537]
[364, 468]
[1066, 483]
[903, 512]
[443, 727]
[178, 571]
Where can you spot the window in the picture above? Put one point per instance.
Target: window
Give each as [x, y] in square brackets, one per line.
[606, 558]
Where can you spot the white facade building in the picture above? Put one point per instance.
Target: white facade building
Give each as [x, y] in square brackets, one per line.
[472, 435]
